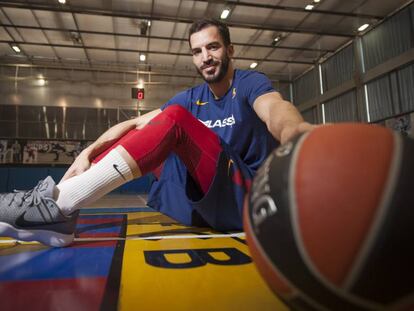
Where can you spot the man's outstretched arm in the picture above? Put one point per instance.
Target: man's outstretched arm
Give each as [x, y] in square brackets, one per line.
[83, 161]
[283, 120]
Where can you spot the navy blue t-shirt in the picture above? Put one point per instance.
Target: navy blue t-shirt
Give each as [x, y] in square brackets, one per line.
[232, 118]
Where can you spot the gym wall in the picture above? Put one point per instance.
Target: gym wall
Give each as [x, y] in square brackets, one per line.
[370, 79]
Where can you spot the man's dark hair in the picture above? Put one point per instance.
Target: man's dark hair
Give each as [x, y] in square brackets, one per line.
[204, 23]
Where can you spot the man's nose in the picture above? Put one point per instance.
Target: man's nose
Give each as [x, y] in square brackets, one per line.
[206, 55]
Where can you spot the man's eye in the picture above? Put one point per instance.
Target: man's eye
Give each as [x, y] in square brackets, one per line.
[196, 52]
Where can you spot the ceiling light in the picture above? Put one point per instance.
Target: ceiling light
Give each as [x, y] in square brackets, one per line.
[98, 102]
[142, 57]
[309, 7]
[149, 23]
[16, 48]
[253, 65]
[225, 13]
[41, 82]
[62, 1]
[276, 40]
[316, 1]
[363, 27]
[140, 84]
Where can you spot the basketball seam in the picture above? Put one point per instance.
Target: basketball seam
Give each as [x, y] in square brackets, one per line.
[299, 243]
[279, 272]
[379, 217]
[292, 201]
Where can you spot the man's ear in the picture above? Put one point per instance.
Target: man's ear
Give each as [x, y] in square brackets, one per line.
[230, 50]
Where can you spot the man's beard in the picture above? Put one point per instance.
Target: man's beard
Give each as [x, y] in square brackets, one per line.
[220, 74]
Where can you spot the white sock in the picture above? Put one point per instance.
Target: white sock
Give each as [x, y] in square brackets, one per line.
[108, 174]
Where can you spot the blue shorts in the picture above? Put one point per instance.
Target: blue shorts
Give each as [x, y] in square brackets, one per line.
[177, 195]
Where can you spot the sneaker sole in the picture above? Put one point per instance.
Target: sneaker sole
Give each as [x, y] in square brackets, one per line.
[46, 237]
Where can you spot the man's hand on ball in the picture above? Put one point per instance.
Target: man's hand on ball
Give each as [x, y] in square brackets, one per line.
[291, 131]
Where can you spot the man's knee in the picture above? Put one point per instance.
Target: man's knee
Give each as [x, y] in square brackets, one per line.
[177, 113]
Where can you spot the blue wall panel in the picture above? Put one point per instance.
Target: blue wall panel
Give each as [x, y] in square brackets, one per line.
[4, 177]
[56, 173]
[23, 178]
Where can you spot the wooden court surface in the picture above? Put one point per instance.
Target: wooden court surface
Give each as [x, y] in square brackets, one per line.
[129, 257]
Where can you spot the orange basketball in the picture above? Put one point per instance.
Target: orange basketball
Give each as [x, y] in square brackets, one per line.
[330, 219]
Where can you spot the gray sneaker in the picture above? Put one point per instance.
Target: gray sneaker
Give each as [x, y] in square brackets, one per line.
[34, 216]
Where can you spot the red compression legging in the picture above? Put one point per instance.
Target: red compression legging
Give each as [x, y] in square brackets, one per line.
[174, 130]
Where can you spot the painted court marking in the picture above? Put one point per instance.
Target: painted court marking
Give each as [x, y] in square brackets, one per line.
[126, 210]
[157, 237]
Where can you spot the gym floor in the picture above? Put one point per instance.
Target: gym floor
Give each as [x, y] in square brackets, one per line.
[70, 70]
[126, 256]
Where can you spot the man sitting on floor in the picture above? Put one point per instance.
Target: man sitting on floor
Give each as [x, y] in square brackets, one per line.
[204, 145]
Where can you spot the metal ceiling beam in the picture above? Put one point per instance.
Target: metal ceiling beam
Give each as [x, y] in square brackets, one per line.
[186, 84]
[157, 37]
[77, 67]
[81, 40]
[88, 47]
[43, 32]
[80, 10]
[296, 9]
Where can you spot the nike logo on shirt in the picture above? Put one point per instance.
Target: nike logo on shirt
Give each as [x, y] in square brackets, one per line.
[198, 103]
